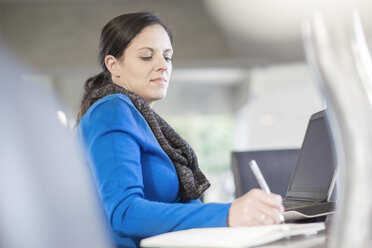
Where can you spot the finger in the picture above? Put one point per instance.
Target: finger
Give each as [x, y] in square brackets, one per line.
[259, 218]
[264, 219]
[273, 200]
[268, 214]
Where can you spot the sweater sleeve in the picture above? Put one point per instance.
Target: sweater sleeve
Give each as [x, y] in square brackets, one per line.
[115, 153]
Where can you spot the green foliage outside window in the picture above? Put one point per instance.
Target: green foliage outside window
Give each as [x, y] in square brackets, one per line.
[211, 138]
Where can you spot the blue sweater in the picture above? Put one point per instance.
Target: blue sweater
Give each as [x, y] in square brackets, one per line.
[135, 178]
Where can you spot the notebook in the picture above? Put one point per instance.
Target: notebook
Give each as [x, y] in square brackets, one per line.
[224, 237]
[311, 186]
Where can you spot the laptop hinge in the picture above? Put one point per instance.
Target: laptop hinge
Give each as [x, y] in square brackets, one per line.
[289, 198]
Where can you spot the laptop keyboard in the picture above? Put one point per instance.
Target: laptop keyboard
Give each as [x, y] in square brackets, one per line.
[290, 204]
[293, 204]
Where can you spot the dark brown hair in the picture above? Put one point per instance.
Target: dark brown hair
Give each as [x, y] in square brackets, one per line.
[115, 37]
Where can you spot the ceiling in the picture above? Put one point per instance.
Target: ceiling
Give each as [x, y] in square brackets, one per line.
[208, 33]
[270, 30]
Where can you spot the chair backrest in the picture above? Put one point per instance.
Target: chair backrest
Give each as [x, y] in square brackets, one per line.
[47, 194]
[276, 166]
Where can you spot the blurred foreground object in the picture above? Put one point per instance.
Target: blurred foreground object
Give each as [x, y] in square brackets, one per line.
[339, 59]
[47, 198]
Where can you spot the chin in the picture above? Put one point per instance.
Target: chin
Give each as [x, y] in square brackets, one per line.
[161, 95]
[159, 98]
[154, 99]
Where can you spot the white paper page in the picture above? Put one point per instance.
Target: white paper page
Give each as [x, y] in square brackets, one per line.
[231, 236]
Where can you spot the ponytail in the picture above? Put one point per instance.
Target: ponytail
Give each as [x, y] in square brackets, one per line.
[92, 83]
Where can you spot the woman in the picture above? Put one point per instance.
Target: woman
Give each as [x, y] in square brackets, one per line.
[147, 175]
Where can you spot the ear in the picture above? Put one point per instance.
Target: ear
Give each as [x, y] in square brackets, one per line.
[112, 65]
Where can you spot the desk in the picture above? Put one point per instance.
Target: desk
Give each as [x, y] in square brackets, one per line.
[314, 241]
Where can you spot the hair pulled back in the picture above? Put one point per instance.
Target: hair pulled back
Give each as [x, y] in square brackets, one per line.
[115, 37]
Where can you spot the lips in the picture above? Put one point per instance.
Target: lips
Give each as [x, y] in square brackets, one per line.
[158, 80]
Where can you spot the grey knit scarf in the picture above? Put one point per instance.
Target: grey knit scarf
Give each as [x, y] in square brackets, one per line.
[192, 181]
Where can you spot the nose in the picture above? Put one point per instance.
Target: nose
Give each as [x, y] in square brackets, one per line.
[162, 64]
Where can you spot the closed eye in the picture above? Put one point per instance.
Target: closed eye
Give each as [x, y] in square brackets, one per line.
[146, 58]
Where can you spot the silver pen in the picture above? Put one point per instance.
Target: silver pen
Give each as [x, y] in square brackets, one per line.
[259, 176]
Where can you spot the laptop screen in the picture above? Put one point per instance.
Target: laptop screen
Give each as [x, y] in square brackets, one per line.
[315, 169]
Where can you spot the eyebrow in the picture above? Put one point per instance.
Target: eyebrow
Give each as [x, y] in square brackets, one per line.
[151, 49]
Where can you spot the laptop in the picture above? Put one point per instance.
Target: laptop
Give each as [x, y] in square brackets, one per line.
[310, 189]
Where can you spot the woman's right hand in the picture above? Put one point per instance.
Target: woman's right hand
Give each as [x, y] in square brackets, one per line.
[256, 208]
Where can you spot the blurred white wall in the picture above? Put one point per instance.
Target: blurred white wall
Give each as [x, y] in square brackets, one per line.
[280, 103]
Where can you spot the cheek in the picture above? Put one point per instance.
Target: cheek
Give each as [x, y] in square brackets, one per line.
[136, 72]
[169, 69]
[142, 70]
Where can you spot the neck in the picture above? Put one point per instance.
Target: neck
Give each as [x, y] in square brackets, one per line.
[150, 103]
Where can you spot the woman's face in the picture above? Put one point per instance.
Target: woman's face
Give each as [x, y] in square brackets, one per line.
[146, 65]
